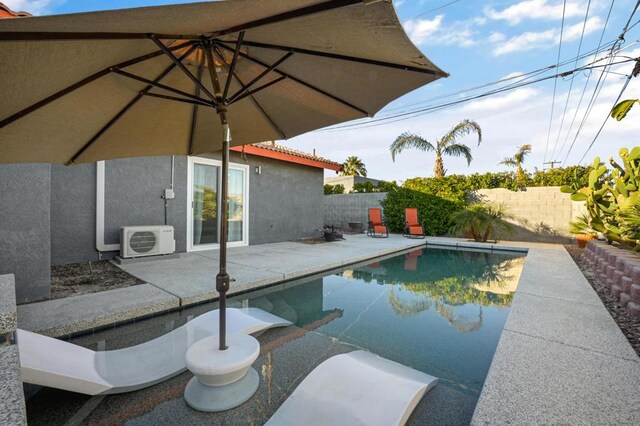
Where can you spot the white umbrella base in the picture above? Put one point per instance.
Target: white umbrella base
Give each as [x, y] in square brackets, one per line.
[220, 398]
[223, 379]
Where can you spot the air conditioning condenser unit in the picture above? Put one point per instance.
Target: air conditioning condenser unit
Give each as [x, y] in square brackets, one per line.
[138, 241]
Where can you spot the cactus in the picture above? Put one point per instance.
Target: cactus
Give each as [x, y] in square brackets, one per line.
[612, 198]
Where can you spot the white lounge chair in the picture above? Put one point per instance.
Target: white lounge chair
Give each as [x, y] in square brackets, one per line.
[51, 362]
[358, 388]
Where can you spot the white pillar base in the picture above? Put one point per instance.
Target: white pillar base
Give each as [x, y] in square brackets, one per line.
[223, 379]
[221, 398]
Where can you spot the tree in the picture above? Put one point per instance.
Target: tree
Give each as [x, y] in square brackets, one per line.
[353, 166]
[517, 160]
[446, 145]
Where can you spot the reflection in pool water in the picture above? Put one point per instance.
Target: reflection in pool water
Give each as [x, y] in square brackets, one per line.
[439, 311]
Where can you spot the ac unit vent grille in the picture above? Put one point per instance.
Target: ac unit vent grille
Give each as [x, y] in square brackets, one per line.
[143, 241]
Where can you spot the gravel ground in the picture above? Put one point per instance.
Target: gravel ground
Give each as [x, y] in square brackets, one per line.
[91, 277]
[629, 325]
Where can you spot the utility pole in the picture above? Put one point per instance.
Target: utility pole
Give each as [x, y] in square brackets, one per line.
[552, 163]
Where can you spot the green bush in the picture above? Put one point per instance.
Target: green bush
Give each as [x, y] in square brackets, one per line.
[382, 186]
[333, 189]
[460, 187]
[435, 211]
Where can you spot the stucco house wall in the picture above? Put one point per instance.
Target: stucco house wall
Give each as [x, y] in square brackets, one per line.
[48, 213]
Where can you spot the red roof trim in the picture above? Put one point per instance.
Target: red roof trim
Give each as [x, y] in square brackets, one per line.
[276, 155]
[5, 12]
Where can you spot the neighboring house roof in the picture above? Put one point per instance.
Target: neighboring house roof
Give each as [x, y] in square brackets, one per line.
[5, 12]
[279, 152]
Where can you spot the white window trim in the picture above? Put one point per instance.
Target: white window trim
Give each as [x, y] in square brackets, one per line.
[245, 212]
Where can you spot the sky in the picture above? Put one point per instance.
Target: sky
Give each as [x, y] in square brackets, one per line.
[478, 42]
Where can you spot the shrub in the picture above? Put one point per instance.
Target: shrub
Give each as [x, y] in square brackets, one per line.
[333, 189]
[435, 211]
[482, 221]
[367, 187]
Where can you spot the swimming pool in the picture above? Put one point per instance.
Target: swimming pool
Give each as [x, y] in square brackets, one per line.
[439, 311]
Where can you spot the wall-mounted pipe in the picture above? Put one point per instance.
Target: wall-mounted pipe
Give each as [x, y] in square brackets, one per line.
[100, 205]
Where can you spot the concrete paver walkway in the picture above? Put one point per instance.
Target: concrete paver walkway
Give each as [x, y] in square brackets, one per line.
[561, 358]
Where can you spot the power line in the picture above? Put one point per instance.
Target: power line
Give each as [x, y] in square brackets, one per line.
[433, 10]
[522, 76]
[566, 103]
[433, 108]
[555, 82]
[602, 78]
[624, 87]
[494, 91]
[586, 84]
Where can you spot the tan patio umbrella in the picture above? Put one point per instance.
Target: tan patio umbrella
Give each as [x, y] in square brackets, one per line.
[171, 80]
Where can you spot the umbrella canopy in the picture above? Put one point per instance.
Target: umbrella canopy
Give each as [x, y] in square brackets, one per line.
[75, 87]
[150, 81]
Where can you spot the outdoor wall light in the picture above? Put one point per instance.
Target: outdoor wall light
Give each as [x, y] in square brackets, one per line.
[259, 170]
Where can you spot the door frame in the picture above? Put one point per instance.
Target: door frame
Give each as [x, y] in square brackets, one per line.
[245, 210]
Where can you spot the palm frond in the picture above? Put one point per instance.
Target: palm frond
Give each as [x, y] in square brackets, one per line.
[459, 150]
[409, 140]
[461, 129]
[522, 152]
[509, 161]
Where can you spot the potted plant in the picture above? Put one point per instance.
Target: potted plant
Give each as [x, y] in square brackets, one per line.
[583, 231]
[482, 221]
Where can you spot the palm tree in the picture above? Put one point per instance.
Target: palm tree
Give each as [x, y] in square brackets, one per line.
[517, 160]
[446, 145]
[353, 166]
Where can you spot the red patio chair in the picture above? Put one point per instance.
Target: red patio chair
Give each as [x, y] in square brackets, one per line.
[412, 227]
[377, 227]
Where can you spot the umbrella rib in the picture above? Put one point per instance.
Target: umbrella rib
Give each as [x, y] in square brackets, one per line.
[285, 16]
[160, 86]
[177, 99]
[84, 82]
[342, 57]
[302, 82]
[260, 76]
[194, 117]
[232, 68]
[183, 68]
[264, 86]
[255, 101]
[134, 101]
[60, 35]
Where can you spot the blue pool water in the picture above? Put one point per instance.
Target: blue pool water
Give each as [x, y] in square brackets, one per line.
[436, 310]
[439, 311]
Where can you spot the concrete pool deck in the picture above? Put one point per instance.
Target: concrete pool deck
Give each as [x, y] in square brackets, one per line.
[190, 279]
[561, 357]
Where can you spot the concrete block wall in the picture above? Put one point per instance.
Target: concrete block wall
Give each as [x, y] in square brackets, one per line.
[341, 209]
[537, 208]
[25, 224]
[619, 270]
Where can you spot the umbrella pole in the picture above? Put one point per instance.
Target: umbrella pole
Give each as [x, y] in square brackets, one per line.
[222, 279]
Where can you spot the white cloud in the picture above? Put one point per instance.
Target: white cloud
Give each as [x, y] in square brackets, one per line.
[432, 31]
[496, 37]
[35, 7]
[535, 9]
[419, 30]
[398, 3]
[534, 40]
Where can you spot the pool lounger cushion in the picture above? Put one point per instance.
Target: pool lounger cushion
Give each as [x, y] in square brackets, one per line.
[358, 388]
[51, 362]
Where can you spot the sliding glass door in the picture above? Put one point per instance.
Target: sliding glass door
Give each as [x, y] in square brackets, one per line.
[204, 204]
